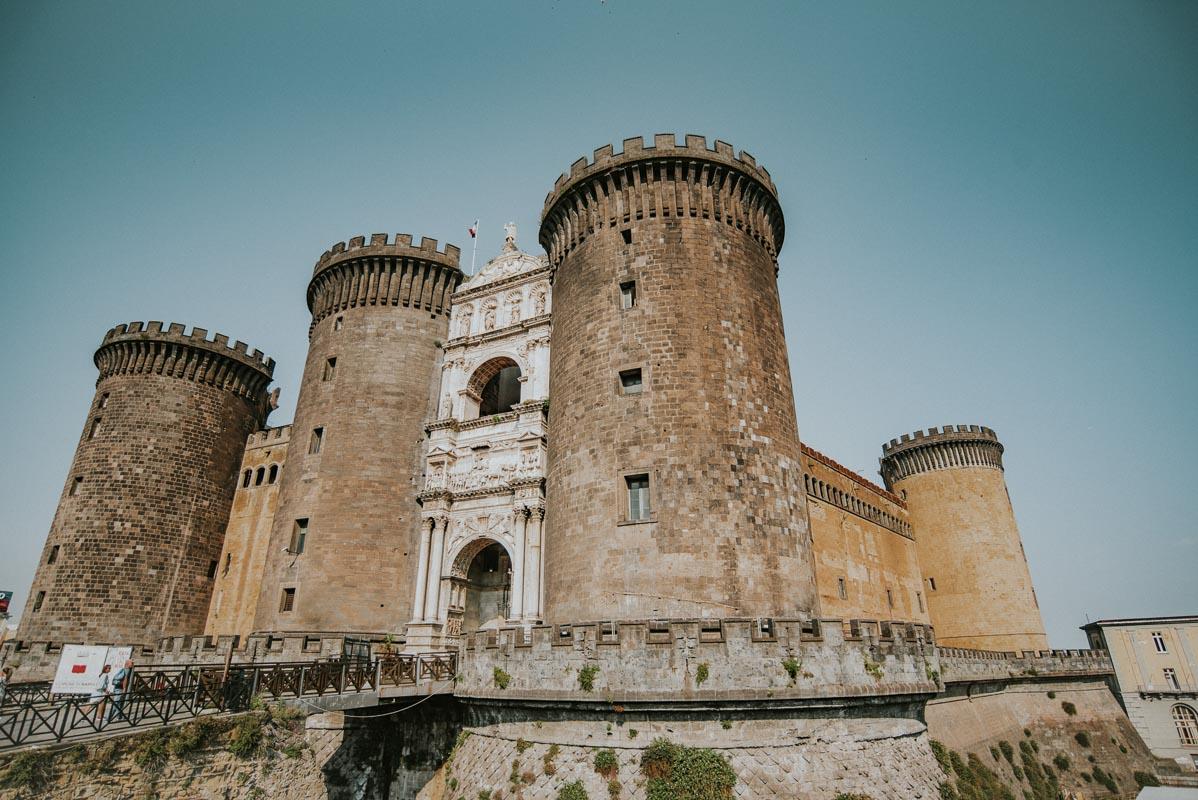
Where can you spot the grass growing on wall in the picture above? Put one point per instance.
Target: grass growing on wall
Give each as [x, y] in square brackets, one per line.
[675, 772]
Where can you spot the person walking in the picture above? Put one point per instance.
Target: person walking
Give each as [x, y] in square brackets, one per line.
[5, 675]
[99, 696]
[121, 683]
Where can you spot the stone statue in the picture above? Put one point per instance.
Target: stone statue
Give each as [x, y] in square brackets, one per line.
[513, 302]
[465, 317]
[539, 299]
[509, 240]
[489, 316]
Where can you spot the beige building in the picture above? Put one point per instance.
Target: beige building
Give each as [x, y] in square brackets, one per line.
[1156, 672]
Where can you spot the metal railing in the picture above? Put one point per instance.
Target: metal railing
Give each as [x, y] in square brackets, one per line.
[159, 695]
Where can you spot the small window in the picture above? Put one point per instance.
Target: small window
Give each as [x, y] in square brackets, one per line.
[638, 497]
[628, 295]
[212, 569]
[1158, 641]
[75, 485]
[932, 584]
[288, 601]
[245, 480]
[37, 601]
[919, 600]
[261, 476]
[316, 442]
[103, 401]
[274, 473]
[630, 381]
[299, 533]
[228, 563]
[842, 589]
[338, 323]
[53, 554]
[890, 598]
[330, 369]
[95, 429]
[1171, 679]
[626, 235]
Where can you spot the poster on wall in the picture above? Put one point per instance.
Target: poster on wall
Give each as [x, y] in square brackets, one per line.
[80, 665]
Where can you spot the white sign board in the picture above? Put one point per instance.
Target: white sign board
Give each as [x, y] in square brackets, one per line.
[80, 665]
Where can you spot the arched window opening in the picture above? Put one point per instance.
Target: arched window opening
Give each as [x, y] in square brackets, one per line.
[249, 475]
[495, 386]
[1186, 721]
[260, 476]
[274, 473]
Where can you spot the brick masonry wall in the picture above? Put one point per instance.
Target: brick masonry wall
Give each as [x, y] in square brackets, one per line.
[143, 512]
[381, 311]
[851, 544]
[247, 537]
[714, 427]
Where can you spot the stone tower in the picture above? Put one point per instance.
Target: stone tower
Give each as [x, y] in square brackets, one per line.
[132, 550]
[674, 484]
[349, 491]
[979, 588]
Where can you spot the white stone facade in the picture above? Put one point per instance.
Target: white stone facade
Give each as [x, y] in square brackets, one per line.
[485, 475]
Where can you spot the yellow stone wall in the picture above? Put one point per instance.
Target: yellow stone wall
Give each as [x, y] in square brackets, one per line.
[247, 537]
[969, 547]
[860, 535]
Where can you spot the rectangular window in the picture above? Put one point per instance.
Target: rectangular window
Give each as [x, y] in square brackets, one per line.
[638, 497]
[890, 598]
[630, 381]
[842, 589]
[288, 601]
[103, 401]
[626, 235]
[299, 534]
[1171, 679]
[628, 295]
[212, 569]
[37, 601]
[95, 429]
[932, 584]
[919, 600]
[1158, 641]
[228, 563]
[53, 554]
[338, 323]
[330, 369]
[75, 484]
[317, 441]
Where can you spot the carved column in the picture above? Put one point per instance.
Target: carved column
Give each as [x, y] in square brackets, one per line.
[418, 603]
[432, 603]
[518, 574]
[532, 572]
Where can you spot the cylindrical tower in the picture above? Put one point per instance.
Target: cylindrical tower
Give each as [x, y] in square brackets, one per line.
[343, 553]
[674, 484]
[979, 589]
[132, 550]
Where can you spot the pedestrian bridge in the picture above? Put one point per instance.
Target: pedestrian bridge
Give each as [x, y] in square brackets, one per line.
[30, 715]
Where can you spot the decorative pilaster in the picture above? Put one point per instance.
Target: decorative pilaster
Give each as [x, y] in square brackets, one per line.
[432, 603]
[532, 576]
[516, 612]
[419, 602]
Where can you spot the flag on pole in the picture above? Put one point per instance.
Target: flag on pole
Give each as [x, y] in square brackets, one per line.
[473, 230]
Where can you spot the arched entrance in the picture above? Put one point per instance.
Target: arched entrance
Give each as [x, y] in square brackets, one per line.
[481, 585]
[495, 386]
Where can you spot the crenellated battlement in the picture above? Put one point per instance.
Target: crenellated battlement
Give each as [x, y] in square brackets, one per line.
[381, 272]
[271, 437]
[661, 181]
[196, 337]
[949, 447]
[146, 348]
[400, 246]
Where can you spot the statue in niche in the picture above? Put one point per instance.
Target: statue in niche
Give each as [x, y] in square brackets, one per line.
[446, 406]
[489, 316]
[513, 302]
[465, 318]
[436, 476]
[539, 300]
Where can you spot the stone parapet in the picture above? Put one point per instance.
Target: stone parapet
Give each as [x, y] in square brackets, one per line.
[699, 661]
[961, 665]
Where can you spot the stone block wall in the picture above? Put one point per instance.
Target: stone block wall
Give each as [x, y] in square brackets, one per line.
[958, 665]
[699, 660]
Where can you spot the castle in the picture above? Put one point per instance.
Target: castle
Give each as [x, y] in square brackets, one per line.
[598, 445]
[604, 433]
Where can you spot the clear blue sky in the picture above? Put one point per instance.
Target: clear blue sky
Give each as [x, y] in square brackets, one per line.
[992, 215]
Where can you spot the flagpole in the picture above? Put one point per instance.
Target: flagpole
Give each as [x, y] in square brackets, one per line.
[474, 253]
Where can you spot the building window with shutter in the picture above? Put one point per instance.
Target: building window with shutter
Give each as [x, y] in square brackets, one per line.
[299, 534]
[638, 508]
[1158, 641]
[288, 601]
